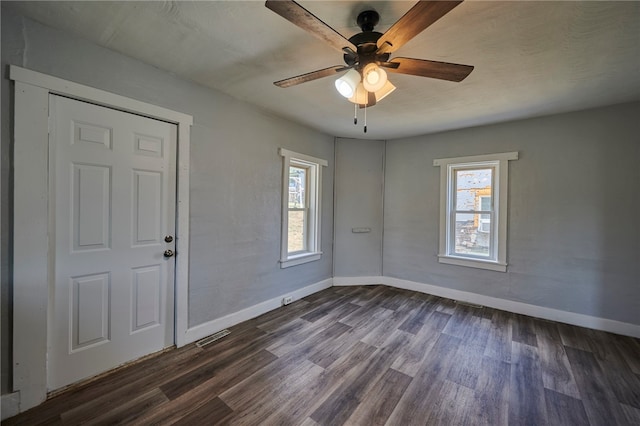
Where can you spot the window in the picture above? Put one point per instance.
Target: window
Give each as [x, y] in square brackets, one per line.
[301, 194]
[473, 210]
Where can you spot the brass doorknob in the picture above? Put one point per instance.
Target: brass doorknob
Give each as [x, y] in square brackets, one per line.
[168, 253]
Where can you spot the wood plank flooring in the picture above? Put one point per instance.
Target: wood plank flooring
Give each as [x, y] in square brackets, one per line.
[372, 356]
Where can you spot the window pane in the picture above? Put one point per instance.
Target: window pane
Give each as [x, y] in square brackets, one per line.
[485, 203]
[297, 186]
[472, 235]
[297, 237]
[471, 185]
[485, 219]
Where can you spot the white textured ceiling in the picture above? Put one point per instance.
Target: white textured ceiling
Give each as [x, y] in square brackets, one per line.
[530, 58]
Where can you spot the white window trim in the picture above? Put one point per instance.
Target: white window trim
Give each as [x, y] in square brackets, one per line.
[313, 252]
[501, 180]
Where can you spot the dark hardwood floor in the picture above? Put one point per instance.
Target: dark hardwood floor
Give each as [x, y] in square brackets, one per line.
[372, 356]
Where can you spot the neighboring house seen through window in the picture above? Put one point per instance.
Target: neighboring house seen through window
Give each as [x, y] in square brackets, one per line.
[473, 210]
[301, 190]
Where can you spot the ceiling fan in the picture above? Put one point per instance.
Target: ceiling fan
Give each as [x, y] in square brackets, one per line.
[367, 54]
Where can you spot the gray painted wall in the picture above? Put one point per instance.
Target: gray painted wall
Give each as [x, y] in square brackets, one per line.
[574, 233]
[358, 204]
[235, 173]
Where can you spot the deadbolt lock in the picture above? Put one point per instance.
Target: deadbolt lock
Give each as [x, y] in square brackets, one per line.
[168, 239]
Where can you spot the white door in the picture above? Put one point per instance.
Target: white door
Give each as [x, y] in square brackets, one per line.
[113, 196]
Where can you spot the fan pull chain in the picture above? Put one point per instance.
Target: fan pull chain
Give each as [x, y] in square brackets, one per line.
[355, 114]
[365, 118]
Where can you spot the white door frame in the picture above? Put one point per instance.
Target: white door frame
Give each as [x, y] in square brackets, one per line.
[34, 224]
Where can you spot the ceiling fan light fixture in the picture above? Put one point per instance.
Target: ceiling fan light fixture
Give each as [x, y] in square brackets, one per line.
[373, 77]
[348, 83]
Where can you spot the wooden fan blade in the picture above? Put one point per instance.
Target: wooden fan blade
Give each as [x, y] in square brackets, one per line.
[298, 15]
[431, 69]
[419, 17]
[310, 76]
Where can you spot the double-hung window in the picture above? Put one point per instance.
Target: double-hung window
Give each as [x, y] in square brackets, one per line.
[301, 206]
[473, 210]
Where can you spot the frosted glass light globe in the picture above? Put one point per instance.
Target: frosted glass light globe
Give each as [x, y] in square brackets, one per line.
[374, 77]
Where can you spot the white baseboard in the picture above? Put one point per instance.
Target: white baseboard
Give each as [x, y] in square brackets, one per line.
[596, 323]
[10, 405]
[208, 328]
[345, 281]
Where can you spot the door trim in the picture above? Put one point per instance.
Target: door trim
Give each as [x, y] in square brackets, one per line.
[34, 225]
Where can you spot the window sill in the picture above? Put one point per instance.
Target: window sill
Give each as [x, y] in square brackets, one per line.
[473, 263]
[299, 259]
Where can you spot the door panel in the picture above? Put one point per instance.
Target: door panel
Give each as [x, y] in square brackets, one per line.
[91, 207]
[147, 217]
[90, 310]
[145, 309]
[113, 197]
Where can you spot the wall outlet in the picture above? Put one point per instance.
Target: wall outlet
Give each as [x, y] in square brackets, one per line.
[287, 299]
